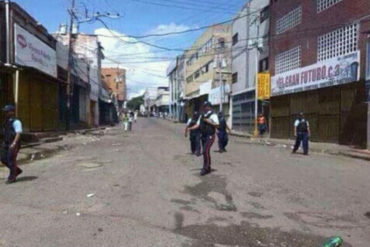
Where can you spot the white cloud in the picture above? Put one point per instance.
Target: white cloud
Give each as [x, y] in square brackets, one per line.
[138, 75]
[169, 28]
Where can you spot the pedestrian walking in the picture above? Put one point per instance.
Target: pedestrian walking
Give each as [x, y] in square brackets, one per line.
[222, 133]
[302, 133]
[12, 130]
[262, 126]
[130, 120]
[125, 121]
[194, 134]
[135, 115]
[207, 123]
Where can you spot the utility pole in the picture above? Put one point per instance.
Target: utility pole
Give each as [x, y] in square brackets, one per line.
[69, 67]
[256, 86]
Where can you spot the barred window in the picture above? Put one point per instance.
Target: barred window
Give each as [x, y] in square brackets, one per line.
[288, 60]
[325, 4]
[290, 20]
[339, 42]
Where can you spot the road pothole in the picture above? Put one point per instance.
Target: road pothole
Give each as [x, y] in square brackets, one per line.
[368, 215]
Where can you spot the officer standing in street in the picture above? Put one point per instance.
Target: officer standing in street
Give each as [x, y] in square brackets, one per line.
[302, 133]
[208, 123]
[12, 129]
[194, 134]
[222, 133]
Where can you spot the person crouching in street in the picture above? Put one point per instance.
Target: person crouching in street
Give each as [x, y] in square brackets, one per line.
[12, 130]
[208, 123]
[302, 133]
[194, 134]
[222, 133]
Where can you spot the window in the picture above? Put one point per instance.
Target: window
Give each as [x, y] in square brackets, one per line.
[265, 14]
[264, 65]
[196, 74]
[325, 4]
[189, 79]
[288, 60]
[235, 77]
[235, 38]
[368, 61]
[221, 43]
[290, 20]
[339, 42]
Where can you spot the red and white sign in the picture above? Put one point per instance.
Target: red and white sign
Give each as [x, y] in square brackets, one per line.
[32, 52]
[331, 72]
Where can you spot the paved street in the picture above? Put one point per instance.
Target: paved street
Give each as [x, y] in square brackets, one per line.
[144, 189]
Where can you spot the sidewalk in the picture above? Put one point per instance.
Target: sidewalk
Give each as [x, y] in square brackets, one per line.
[50, 143]
[315, 147]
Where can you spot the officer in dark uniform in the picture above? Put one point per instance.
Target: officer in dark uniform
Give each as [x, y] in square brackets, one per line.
[223, 137]
[208, 123]
[302, 133]
[194, 134]
[12, 129]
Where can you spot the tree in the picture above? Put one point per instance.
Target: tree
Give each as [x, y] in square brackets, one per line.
[136, 102]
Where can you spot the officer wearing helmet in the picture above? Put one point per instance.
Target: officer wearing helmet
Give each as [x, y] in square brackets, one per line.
[194, 133]
[222, 133]
[302, 133]
[12, 129]
[208, 123]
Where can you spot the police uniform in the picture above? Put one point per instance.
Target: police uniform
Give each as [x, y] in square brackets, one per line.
[194, 135]
[223, 137]
[11, 128]
[208, 137]
[302, 130]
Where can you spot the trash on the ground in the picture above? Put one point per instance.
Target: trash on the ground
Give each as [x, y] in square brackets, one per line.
[78, 214]
[333, 242]
[65, 212]
[90, 195]
[33, 157]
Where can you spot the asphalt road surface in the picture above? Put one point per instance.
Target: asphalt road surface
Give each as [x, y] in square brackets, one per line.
[143, 189]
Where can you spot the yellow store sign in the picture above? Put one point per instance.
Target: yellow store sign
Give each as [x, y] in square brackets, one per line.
[264, 86]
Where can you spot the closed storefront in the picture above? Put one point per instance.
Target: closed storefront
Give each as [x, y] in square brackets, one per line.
[330, 95]
[243, 111]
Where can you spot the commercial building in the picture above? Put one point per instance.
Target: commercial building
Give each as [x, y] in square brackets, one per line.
[163, 100]
[115, 80]
[208, 69]
[176, 75]
[318, 61]
[88, 47]
[250, 51]
[28, 68]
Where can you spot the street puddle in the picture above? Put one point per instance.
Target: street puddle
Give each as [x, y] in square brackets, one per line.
[246, 234]
[213, 190]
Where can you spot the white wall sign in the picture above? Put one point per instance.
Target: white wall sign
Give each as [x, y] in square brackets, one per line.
[215, 95]
[205, 88]
[331, 72]
[32, 52]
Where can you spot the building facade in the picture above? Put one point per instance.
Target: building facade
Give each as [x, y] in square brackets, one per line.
[208, 70]
[318, 62]
[115, 80]
[28, 74]
[250, 47]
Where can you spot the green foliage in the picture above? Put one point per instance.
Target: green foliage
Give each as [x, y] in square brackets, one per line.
[135, 103]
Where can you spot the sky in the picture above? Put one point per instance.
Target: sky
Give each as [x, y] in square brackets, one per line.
[145, 65]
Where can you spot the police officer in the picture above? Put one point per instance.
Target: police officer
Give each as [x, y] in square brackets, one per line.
[208, 123]
[194, 134]
[223, 137]
[12, 129]
[302, 133]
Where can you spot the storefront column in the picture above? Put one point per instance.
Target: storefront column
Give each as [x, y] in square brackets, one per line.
[16, 92]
